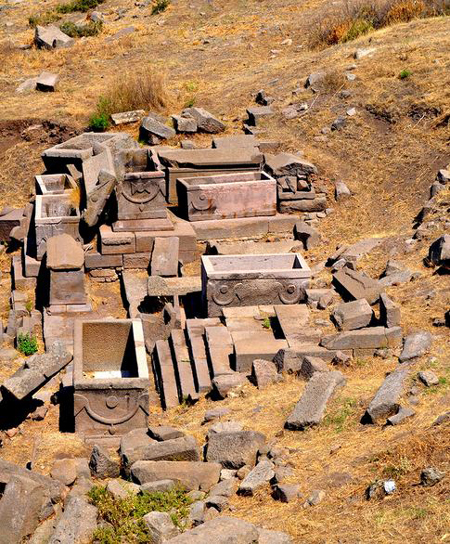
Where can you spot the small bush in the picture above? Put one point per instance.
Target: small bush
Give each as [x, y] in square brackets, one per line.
[99, 122]
[124, 517]
[404, 74]
[266, 323]
[159, 6]
[27, 344]
[80, 31]
[78, 5]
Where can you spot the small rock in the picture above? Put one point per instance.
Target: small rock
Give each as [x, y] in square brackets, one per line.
[351, 112]
[226, 427]
[416, 345]
[339, 123]
[64, 470]
[217, 413]
[315, 498]
[341, 191]
[400, 416]
[428, 378]
[101, 464]
[160, 526]
[46, 82]
[121, 489]
[286, 492]
[431, 476]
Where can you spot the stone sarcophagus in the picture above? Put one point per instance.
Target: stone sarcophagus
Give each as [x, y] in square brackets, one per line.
[250, 280]
[55, 214]
[227, 196]
[110, 377]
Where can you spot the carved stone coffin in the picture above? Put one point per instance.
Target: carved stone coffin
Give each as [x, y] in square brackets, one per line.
[55, 214]
[250, 280]
[227, 196]
[141, 195]
[110, 377]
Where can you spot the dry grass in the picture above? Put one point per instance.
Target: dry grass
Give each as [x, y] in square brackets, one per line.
[356, 18]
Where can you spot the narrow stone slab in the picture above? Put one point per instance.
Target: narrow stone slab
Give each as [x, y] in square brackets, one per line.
[371, 337]
[390, 313]
[354, 285]
[165, 256]
[167, 383]
[220, 348]
[386, 401]
[184, 448]
[222, 530]
[255, 248]
[292, 318]
[191, 474]
[185, 378]
[257, 478]
[310, 409]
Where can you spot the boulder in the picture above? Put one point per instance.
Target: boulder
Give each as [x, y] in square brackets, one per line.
[349, 316]
[76, 524]
[160, 526]
[221, 530]
[234, 450]
[386, 401]
[192, 475]
[416, 345]
[310, 409]
[206, 122]
[101, 464]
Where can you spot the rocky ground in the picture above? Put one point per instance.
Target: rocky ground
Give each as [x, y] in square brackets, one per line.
[388, 151]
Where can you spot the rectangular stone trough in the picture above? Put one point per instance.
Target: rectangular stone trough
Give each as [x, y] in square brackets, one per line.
[110, 377]
[250, 280]
[55, 214]
[54, 184]
[227, 196]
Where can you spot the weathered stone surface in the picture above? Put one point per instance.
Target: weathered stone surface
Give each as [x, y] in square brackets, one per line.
[259, 476]
[439, 254]
[51, 37]
[310, 366]
[225, 488]
[390, 313]
[308, 235]
[416, 345]
[192, 475]
[36, 371]
[400, 416]
[431, 476]
[165, 257]
[153, 131]
[286, 492]
[225, 383]
[234, 450]
[318, 204]
[264, 373]
[133, 444]
[273, 537]
[101, 464]
[65, 471]
[387, 399]
[160, 485]
[178, 449]
[23, 504]
[225, 427]
[185, 123]
[368, 338]
[77, 523]
[98, 196]
[341, 191]
[206, 122]
[164, 432]
[221, 530]
[354, 285]
[64, 253]
[125, 117]
[310, 408]
[121, 489]
[160, 526]
[428, 378]
[353, 315]
[46, 82]
[216, 413]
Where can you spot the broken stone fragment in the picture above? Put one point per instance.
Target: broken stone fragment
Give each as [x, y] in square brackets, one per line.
[431, 476]
[164, 432]
[259, 476]
[51, 37]
[264, 373]
[184, 123]
[64, 253]
[190, 474]
[428, 378]
[341, 191]
[165, 256]
[160, 527]
[416, 345]
[400, 416]
[222, 385]
[354, 285]
[234, 450]
[121, 489]
[101, 464]
[286, 492]
[309, 236]
[127, 117]
[206, 122]
[439, 253]
[390, 313]
[77, 523]
[221, 530]
[153, 131]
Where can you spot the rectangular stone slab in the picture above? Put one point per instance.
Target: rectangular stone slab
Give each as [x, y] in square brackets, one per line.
[227, 196]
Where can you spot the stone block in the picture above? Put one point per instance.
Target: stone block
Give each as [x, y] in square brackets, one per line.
[310, 409]
[9, 220]
[264, 373]
[64, 253]
[164, 260]
[191, 474]
[257, 114]
[67, 287]
[137, 261]
[185, 123]
[416, 345]
[206, 122]
[390, 313]
[353, 315]
[160, 527]
[51, 37]
[116, 243]
[309, 236]
[354, 285]
[318, 204]
[258, 477]
[224, 383]
[221, 530]
[77, 523]
[95, 260]
[153, 131]
[368, 338]
[47, 81]
[234, 450]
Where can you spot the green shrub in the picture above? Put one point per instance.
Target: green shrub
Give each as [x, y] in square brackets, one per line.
[27, 344]
[81, 31]
[44, 19]
[99, 122]
[159, 6]
[124, 517]
[357, 29]
[404, 74]
[78, 5]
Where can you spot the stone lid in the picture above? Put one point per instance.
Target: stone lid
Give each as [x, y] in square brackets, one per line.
[192, 158]
[64, 253]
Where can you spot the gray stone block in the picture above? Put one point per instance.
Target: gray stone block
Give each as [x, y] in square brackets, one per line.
[353, 315]
[234, 450]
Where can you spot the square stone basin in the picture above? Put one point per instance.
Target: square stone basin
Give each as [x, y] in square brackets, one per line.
[54, 184]
[111, 377]
[250, 280]
[245, 194]
[55, 214]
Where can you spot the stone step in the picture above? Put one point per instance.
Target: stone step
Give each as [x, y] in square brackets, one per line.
[182, 365]
[220, 350]
[164, 369]
[292, 318]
